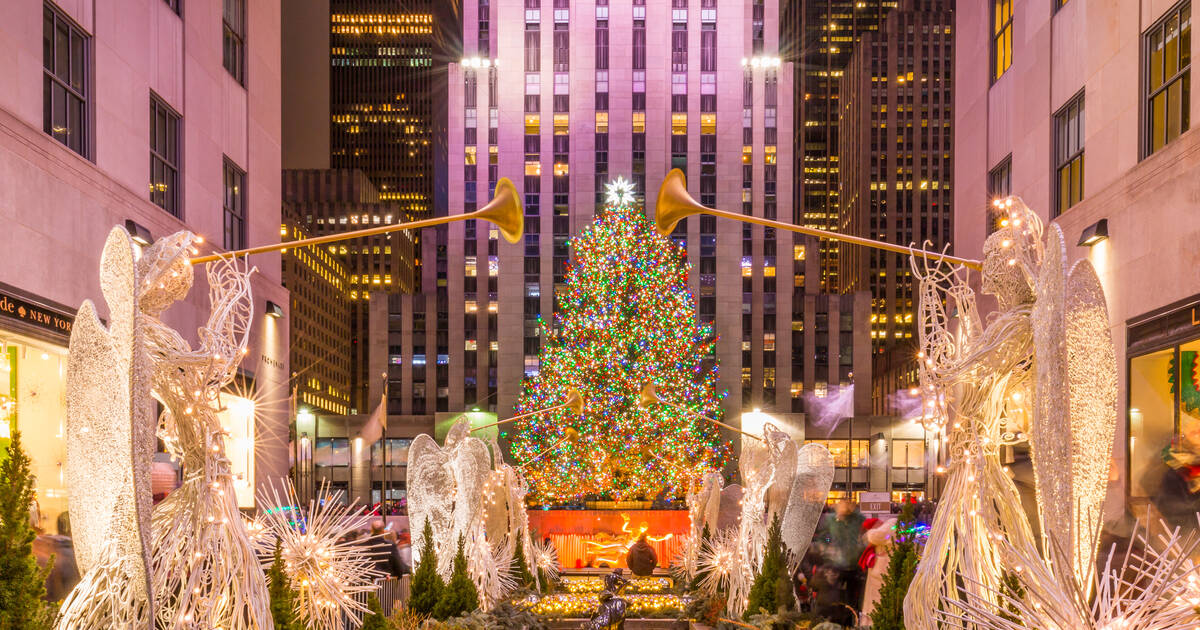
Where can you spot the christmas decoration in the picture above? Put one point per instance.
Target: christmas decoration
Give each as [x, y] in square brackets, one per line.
[279, 587]
[1152, 586]
[21, 580]
[978, 388]
[772, 589]
[459, 597]
[465, 494]
[1183, 378]
[326, 570]
[190, 563]
[427, 585]
[625, 314]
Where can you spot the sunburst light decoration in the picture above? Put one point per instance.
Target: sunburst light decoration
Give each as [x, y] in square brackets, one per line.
[545, 558]
[1153, 585]
[326, 570]
[720, 561]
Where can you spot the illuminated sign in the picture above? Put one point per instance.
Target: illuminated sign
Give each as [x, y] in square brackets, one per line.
[52, 321]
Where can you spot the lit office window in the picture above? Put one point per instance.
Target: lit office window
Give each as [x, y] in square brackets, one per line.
[164, 156]
[1002, 37]
[1168, 77]
[1068, 154]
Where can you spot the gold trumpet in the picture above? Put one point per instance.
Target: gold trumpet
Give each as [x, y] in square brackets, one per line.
[674, 203]
[504, 211]
[574, 402]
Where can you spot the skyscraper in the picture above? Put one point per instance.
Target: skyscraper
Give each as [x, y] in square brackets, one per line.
[895, 121]
[562, 97]
[378, 120]
[818, 37]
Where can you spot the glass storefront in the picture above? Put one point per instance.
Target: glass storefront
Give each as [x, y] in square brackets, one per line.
[33, 401]
[1164, 415]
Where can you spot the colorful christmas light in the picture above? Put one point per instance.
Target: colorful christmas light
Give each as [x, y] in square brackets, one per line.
[625, 316]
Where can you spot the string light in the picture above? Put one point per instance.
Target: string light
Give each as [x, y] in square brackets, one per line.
[625, 313]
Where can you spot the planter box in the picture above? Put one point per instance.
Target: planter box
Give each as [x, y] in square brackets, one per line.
[630, 624]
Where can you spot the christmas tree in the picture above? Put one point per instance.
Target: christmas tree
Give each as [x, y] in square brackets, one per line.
[624, 318]
[374, 620]
[22, 582]
[902, 565]
[279, 588]
[427, 585]
[520, 567]
[459, 597]
[771, 592]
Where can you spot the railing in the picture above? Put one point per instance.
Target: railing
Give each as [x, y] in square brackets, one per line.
[392, 592]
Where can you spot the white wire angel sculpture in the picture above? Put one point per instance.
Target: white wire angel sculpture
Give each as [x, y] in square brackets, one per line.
[1042, 370]
[969, 381]
[205, 572]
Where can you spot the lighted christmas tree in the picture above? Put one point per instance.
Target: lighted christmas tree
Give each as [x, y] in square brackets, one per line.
[625, 317]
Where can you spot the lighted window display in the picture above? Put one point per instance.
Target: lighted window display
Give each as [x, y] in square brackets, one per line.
[332, 452]
[237, 418]
[1164, 432]
[33, 400]
[846, 451]
[908, 454]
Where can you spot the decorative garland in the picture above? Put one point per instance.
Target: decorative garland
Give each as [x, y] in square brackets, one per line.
[1189, 396]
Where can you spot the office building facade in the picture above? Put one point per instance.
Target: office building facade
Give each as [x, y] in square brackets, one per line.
[818, 37]
[896, 172]
[156, 117]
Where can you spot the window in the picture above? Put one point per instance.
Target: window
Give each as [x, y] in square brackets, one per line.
[1002, 37]
[1168, 77]
[65, 50]
[174, 4]
[999, 186]
[908, 453]
[235, 206]
[234, 39]
[164, 156]
[1068, 154]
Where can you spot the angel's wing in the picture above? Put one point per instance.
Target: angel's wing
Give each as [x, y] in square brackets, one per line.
[784, 452]
[1050, 434]
[430, 489]
[1092, 381]
[107, 479]
[810, 487]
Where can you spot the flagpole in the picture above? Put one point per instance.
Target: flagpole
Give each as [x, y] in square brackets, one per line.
[383, 501]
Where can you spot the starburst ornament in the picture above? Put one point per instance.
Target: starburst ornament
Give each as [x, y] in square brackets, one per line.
[618, 192]
[328, 571]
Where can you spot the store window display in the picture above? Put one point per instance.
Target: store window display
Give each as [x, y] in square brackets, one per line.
[1164, 430]
[33, 400]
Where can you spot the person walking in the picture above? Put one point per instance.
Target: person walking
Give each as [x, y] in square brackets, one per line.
[843, 548]
[385, 552]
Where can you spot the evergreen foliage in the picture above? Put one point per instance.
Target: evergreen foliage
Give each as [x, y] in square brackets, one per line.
[521, 566]
[283, 598]
[772, 588]
[374, 620]
[902, 565]
[22, 582]
[1010, 585]
[623, 316]
[459, 597]
[427, 585]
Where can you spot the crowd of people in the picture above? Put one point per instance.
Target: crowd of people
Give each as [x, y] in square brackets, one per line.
[832, 577]
[392, 551]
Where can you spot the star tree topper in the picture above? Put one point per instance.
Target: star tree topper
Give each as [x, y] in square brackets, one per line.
[618, 192]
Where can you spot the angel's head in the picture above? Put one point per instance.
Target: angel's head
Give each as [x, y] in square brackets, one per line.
[165, 270]
[1011, 253]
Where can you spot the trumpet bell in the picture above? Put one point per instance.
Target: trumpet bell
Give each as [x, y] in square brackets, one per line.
[575, 402]
[504, 211]
[648, 395]
[674, 202]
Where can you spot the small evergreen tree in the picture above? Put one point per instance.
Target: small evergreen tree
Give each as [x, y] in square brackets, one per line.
[902, 565]
[772, 588]
[427, 585]
[459, 597]
[374, 620]
[520, 566]
[1010, 585]
[283, 598]
[22, 582]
